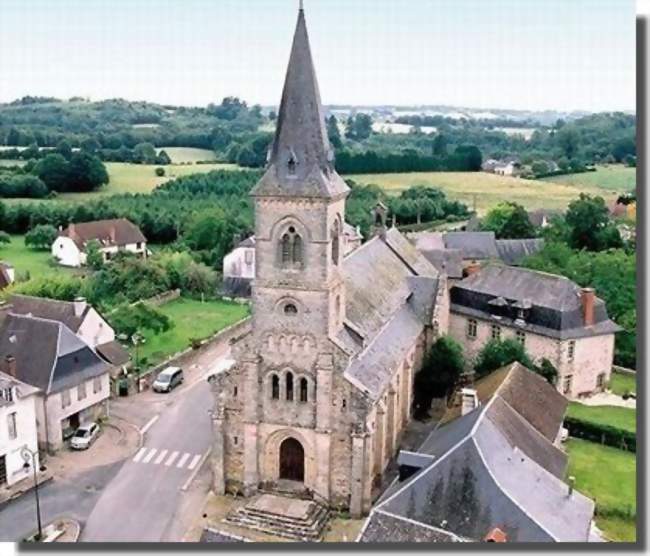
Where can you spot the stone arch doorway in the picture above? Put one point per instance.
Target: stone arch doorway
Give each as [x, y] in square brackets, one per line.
[292, 460]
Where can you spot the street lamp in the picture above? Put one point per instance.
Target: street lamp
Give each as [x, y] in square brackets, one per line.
[30, 456]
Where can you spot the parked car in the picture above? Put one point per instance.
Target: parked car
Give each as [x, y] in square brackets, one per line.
[84, 436]
[168, 379]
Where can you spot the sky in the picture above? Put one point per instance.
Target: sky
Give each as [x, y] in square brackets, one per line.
[511, 54]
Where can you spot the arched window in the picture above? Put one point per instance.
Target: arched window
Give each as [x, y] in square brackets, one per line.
[290, 310]
[291, 164]
[289, 387]
[297, 249]
[335, 245]
[291, 248]
[286, 249]
[303, 389]
[275, 387]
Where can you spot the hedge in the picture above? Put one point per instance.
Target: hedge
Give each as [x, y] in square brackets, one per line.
[603, 434]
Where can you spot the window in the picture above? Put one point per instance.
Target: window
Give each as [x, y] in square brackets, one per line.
[290, 310]
[289, 387]
[496, 332]
[275, 387]
[286, 249]
[600, 380]
[297, 250]
[572, 350]
[335, 245]
[97, 385]
[7, 395]
[235, 440]
[11, 426]
[344, 404]
[81, 391]
[138, 245]
[248, 257]
[521, 337]
[235, 391]
[65, 398]
[303, 389]
[291, 165]
[472, 327]
[566, 384]
[291, 248]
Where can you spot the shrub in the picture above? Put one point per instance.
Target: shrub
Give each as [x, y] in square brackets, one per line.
[160, 172]
[603, 434]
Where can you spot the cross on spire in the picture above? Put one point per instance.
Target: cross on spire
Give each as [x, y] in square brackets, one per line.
[301, 6]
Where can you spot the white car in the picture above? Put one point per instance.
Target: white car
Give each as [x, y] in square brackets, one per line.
[84, 436]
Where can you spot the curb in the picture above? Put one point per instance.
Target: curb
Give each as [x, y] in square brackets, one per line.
[201, 463]
[27, 489]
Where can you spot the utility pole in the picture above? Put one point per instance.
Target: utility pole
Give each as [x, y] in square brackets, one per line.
[30, 456]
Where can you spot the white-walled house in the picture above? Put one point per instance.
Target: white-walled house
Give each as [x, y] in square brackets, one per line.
[550, 315]
[72, 379]
[113, 236]
[17, 425]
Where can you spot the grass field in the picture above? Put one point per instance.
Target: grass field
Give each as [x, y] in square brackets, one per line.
[620, 383]
[486, 189]
[192, 320]
[615, 178]
[608, 476]
[180, 155]
[621, 417]
[26, 260]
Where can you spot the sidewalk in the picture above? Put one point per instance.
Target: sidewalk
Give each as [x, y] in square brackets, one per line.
[24, 486]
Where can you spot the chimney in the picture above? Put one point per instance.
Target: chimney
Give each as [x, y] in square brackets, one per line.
[496, 535]
[79, 304]
[10, 365]
[588, 298]
[572, 484]
[469, 400]
[472, 268]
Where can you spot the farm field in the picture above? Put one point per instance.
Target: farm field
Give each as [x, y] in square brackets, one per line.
[192, 319]
[615, 178]
[608, 476]
[486, 189]
[620, 417]
[184, 155]
[28, 261]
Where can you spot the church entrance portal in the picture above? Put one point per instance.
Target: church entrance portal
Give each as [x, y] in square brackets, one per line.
[292, 460]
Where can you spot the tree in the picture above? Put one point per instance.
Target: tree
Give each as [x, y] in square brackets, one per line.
[568, 139]
[547, 370]
[53, 171]
[539, 168]
[440, 145]
[439, 374]
[467, 158]
[589, 225]
[160, 172]
[64, 149]
[497, 354]
[359, 127]
[86, 172]
[94, 256]
[41, 237]
[163, 158]
[144, 153]
[334, 133]
[508, 221]
[90, 145]
[137, 318]
[5, 238]
[13, 137]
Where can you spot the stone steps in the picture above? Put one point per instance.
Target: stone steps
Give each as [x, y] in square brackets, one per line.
[306, 529]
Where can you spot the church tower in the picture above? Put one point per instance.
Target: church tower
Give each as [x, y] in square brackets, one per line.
[299, 213]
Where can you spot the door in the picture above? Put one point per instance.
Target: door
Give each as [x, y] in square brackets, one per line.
[292, 460]
[74, 421]
[3, 470]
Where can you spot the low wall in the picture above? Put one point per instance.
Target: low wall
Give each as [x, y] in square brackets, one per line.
[162, 298]
[231, 333]
[623, 370]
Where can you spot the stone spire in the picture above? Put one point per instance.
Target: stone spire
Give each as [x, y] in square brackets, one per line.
[301, 161]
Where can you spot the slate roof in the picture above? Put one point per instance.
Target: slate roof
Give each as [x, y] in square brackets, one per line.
[107, 232]
[513, 251]
[113, 353]
[473, 245]
[447, 261]
[538, 216]
[386, 528]
[554, 301]
[52, 309]
[390, 294]
[493, 468]
[48, 354]
[301, 134]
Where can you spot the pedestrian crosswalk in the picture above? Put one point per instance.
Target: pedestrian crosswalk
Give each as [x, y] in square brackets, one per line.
[167, 458]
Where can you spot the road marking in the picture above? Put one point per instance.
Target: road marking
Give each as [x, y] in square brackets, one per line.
[181, 462]
[194, 473]
[171, 459]
[149, 456]
[144, 429]
[161, 456]
[194, 461]
[139, 455]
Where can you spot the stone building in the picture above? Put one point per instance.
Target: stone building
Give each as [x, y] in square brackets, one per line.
[321, 389]
[550, 315]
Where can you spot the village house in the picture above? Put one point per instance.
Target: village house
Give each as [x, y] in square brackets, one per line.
[492, 472]
[73, 381]
[17, 424]
[7, 275]
[551, 316]
[321, 390]
[111, 236]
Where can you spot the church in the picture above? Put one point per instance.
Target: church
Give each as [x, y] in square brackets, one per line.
[321, 390]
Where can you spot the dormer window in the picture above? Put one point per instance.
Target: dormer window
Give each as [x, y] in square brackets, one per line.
[291, 164]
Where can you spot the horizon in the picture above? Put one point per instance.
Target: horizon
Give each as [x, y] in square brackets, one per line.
[455, 52]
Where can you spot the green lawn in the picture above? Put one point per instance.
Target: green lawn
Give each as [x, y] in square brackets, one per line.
[614, 178]
[486, 189]
[180, 155]
[26, 260]
[621, 383]
[621, 417]
[608, 476]
[192, 320]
